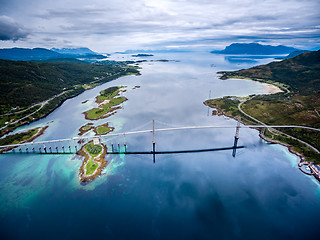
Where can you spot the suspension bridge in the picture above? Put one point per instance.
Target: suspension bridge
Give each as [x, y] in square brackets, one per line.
[72, 145]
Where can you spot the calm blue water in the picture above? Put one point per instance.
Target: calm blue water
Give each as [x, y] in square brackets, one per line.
[259, 194]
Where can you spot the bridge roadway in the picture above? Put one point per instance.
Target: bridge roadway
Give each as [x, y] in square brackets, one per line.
[158, 130]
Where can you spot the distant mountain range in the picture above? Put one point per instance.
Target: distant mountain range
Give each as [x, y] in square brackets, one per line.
[43, 54]
[255, 49]
[74, 51]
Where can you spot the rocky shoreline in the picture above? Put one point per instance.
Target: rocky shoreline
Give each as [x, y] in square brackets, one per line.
[100, 159]
[261, 135]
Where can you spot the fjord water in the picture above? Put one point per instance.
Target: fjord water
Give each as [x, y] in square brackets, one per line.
[259, 194]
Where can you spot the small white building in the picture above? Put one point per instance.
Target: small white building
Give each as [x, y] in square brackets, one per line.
[96, 141]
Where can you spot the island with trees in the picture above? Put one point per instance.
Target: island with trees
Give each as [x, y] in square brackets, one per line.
[94, 161]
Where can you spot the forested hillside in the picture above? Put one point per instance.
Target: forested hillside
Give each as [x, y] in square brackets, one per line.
[300, 73]
[25, 83]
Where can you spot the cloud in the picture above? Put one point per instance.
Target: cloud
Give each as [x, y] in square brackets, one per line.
[140, 23]
[11, 30]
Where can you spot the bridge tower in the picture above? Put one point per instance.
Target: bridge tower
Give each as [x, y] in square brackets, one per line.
[236, 138]
[153, 143]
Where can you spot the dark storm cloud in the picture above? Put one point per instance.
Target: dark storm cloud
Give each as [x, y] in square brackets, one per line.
[10, 30]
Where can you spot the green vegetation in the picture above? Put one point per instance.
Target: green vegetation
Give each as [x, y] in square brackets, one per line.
[24, 84]
[93, 150]
[103, 129]
[18, 137]
[91, 167]
[96, 113]
[107, 94]
[300, 106]
[228, 104]
[85, 128]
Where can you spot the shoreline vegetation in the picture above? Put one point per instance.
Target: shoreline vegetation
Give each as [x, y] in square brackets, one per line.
[20, 112]
[99, 130]
[252, 105]
[94, 161]
[20, 138]
[109, 101]
[298, 104]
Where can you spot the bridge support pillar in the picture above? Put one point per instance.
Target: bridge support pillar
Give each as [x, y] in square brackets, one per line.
[154, 150]
[236, 139]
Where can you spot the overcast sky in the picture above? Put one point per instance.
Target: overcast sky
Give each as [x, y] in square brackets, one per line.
[117, 25]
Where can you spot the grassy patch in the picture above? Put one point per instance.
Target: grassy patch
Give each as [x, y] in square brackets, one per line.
[102, 129]
[228, 105]
[96, 113]
[91, 167]
[108, 93]
[85, 128]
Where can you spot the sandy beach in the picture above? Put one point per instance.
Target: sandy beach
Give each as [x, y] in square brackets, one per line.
[271, 88]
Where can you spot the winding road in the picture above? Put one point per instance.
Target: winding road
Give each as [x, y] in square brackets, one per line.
[277, 131]
[42, 105]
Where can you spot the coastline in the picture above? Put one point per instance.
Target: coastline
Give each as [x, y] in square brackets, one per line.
[99, 159]
[261, 135]
[270, 88]
[38, 134]
[271, 141]
[60, 102]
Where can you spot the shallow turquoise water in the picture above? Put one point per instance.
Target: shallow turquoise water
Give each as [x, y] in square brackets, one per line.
[258, 194]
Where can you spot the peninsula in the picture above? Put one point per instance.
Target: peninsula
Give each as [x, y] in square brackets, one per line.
[298, 104]
[19, 138]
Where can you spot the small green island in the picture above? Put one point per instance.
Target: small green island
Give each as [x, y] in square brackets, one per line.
[109, 101]
[94, 161]
[298, 104]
